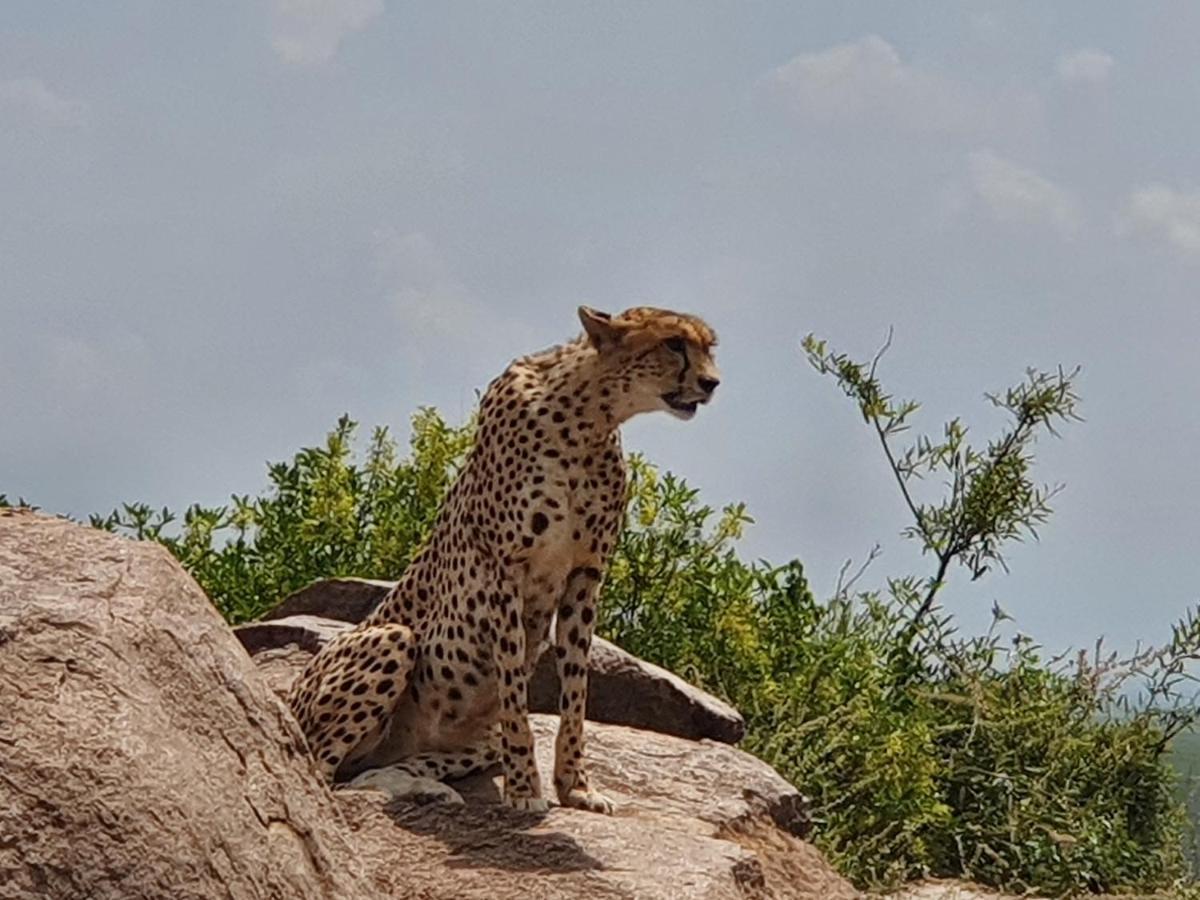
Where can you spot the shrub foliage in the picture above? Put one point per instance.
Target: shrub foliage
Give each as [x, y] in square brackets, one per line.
[924, 753]
[325, 514]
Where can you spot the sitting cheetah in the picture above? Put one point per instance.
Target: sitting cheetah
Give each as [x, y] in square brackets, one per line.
[433, 684]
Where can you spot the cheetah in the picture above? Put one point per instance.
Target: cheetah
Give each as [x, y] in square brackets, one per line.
[432, 685]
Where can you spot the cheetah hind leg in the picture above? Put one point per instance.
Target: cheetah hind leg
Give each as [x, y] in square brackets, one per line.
[345, 698]
[420, 776]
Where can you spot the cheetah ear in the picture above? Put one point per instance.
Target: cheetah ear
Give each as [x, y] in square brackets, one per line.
[600, 328]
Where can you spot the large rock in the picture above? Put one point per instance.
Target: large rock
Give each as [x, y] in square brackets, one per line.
[309, 633]
[142, 754]
[945, 889]
[694, 819]
[344, 599]
[623, 690]
[145, 755]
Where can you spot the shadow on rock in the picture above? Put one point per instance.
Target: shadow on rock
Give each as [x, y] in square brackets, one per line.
[493, 837]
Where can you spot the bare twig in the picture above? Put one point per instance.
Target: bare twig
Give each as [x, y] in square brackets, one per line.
[887, 345]
[843, 584]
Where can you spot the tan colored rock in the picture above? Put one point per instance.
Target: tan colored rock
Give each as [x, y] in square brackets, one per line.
[949, 889]
[651, 770]
[309, 633]
[694, 819]
[344, 599]
[142, 754]
[623, 690]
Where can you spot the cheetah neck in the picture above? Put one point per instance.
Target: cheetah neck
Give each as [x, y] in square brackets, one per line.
[571, 378]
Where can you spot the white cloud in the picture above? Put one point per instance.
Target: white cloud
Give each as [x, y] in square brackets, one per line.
[441, 317]
[1016, 194]
[867, 79]
[310, 31]
[1167, 214]
[420, 285]
[1088, 67]
[33, 96]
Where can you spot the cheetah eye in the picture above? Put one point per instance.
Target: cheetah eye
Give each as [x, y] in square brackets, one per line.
[675, 344]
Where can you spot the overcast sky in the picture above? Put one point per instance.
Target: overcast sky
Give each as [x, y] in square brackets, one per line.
[224, 224]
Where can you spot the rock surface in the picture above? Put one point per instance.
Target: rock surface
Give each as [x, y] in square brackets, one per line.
[624, 690]
[308, 633]
[142, 755]
[146, 755]
[694, 819]
[344, 599]
[960, 890]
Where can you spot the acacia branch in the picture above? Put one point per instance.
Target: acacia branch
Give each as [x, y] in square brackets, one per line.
[960, 543]
[912, 506]
[887, 450]
[934, 586]
[843, 585]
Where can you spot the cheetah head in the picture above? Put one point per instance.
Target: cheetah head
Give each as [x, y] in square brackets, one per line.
[659, 360]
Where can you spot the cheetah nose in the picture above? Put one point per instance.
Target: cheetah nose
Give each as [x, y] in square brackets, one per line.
[708, 385]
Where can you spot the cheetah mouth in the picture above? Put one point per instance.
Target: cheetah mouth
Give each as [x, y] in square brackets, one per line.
[683, 409]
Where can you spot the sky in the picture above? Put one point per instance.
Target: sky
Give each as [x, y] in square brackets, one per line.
[224, 224]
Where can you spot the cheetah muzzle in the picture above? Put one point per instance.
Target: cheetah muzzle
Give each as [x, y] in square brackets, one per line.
[682, 409]
[433, 684]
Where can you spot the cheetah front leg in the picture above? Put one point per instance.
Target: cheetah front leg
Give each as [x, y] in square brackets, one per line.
[573, 639]
[522, 784]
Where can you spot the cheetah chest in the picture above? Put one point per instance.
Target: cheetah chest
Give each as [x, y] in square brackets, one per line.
[573, 524]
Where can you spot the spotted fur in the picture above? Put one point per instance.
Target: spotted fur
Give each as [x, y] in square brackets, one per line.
[433, 684]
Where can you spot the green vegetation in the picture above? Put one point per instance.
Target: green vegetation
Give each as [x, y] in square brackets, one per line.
[324, 515]
[924, 752]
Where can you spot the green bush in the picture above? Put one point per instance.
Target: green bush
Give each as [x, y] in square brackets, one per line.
[974, 758]
[325, 515]
[924, 754]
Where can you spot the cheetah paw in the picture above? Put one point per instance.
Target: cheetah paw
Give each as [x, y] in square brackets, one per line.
[402, 785]
[589, 800]
[527, 804]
